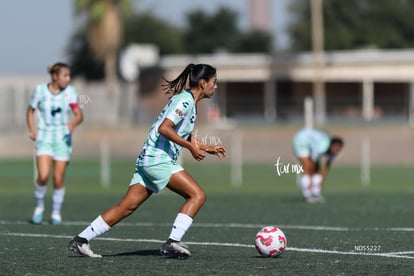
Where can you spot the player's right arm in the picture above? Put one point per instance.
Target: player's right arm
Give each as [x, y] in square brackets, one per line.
[327, 164]
[34, 101]
[31, 123]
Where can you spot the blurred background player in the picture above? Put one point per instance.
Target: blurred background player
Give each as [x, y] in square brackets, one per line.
[156, 166]
[52, 136]
[315, 150]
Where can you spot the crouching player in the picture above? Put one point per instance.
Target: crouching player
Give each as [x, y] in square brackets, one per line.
[315, 150]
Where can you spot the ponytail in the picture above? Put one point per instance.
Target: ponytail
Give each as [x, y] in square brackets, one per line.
[193, 74]
[177, 85]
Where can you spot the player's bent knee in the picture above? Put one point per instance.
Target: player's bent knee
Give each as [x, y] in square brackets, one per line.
[200, 198]
[41, 180]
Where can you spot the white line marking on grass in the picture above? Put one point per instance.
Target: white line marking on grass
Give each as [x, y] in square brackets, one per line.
[206, 225]
[308, 250]
[232, 225]
[401, 253]
[388, 255]
[403, 229]
[317, 228]
[258, 226]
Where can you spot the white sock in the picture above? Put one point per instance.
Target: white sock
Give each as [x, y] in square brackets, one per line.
[58, 197]
[95, 229]
[39, 194]
[316, 184]
[181, 224]
[306, 183]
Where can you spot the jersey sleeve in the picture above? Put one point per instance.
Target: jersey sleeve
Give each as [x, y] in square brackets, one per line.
[72, 98]
[35, 98]
[179, 107]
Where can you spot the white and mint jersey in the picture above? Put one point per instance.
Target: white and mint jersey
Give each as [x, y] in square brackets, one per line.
[311, 142]
[52, 112]
[182, 111]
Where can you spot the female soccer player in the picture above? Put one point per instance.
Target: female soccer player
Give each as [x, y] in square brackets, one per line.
[52, 136]
[310, 147]
[156, 166]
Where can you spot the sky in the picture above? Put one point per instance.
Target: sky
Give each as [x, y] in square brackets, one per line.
[35, 33]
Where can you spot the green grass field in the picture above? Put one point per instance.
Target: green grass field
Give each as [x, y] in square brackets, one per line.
[360, 230]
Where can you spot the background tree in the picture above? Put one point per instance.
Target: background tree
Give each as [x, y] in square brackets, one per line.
[255, 41]
[147, 28]
[82, 60]
[203, 33]
[156, 31]
[355, 24]
[104, 32]
[208, 33]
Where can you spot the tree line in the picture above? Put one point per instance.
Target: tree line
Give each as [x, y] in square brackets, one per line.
[92, 46]
[111, 25]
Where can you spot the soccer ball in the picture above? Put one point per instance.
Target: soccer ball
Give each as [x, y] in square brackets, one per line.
[270, 241]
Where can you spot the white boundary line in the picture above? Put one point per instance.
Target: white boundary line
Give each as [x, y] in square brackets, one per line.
[398, 255]
[402, 229]
[401, 253]
[231, 225]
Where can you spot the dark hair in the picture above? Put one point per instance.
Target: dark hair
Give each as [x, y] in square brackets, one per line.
[55, 68]
[337, 140]
[192, 73]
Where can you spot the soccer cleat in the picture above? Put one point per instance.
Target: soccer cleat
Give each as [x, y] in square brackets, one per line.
[310, 199]
[175, 249]
[319, 199]
[55, 218]
[315, 199]
[81, 246]
[37, 215]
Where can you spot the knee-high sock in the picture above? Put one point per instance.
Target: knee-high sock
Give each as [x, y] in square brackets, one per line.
[58, 197]
[181, 224]
[306, 185]
[316, 184]
[39, 194]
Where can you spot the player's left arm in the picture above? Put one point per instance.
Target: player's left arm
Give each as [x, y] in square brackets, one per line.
[219, 151]
[77, 111]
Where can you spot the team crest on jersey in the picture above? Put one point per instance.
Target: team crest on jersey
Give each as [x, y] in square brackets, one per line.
[178, 112]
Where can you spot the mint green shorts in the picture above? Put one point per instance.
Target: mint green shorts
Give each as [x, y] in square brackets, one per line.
[156, 177]
[301, 146]
[60, 151]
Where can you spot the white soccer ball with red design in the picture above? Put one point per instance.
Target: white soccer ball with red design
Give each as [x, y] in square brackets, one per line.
[270, 241]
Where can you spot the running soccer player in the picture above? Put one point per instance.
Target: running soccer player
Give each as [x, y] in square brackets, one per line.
[156, 166]
[312, 147]
[52, 136]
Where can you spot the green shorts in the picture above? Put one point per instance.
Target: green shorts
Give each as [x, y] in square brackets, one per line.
[156, 177]
[301, 147]
[58, 150]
